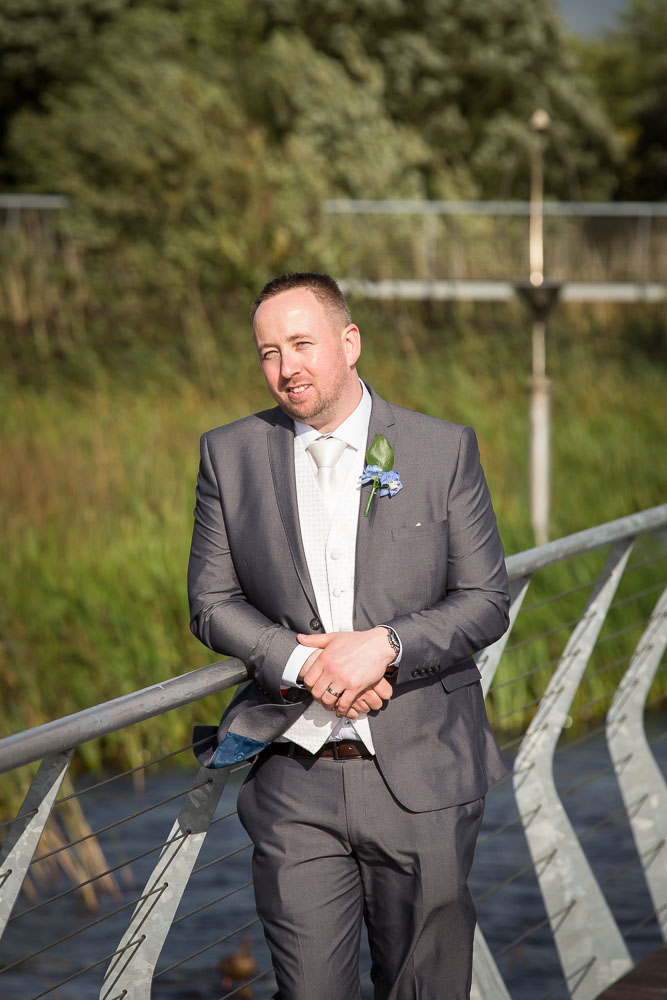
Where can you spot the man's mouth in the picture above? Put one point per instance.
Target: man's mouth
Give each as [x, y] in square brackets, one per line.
[296, 390]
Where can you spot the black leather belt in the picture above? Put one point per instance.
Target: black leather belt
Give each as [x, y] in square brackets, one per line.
[341, 750]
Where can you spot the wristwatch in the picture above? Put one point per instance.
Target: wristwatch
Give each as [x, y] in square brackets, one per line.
[394, 642]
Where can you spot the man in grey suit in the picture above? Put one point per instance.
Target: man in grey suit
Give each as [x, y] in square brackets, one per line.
[357, 622]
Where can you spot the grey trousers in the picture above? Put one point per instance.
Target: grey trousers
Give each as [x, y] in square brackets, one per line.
[332, 847]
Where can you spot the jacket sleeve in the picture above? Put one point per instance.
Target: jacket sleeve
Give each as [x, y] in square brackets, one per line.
[475, 609]
[220, 615]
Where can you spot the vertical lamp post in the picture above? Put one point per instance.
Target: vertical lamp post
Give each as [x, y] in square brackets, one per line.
[540, 396]
[540, 296]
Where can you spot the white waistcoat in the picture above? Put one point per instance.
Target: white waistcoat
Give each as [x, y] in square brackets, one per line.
[329, 535]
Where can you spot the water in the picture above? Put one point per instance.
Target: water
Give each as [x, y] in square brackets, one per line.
[529, 966]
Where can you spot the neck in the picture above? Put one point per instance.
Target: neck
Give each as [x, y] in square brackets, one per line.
[349, 403]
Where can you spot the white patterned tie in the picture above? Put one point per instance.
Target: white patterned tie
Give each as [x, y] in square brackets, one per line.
[326, 451]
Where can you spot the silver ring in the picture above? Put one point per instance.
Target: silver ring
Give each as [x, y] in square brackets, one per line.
[336, 694]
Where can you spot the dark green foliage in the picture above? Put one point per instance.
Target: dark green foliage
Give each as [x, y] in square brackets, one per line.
[629, 69]
[467, 77]
[167, 143]
[45, 44]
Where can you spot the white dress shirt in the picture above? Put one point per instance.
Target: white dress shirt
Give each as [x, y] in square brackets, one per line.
[329, 538]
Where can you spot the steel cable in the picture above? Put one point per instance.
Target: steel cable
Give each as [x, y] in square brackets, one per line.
[88, 968]
[207, 947]
[80, 930]
[107, 871]
[525, 608]
[248, 982]
[544, 922]
[649, 918]
[133, 770]
[212, 902]
[25, 815]
[223, 857]
[119, 822]
[620, 870]
[546, 860]
[125, 774]
[562, 983]
[535, 701]
[588, 584]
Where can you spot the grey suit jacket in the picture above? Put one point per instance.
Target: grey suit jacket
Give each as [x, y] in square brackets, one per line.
[429, 562]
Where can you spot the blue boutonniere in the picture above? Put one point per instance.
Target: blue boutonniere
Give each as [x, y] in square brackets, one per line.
[379, 471]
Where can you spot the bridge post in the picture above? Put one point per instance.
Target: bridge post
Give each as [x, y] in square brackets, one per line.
[130, 972]
[590, 947]
[634, 763]
[27, 829]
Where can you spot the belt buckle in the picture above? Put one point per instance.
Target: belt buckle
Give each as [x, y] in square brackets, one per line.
[337, 747]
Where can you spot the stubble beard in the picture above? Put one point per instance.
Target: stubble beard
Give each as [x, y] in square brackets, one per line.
[318, 407]
[324, 403]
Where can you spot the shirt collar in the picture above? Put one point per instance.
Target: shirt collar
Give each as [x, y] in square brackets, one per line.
[353, 431]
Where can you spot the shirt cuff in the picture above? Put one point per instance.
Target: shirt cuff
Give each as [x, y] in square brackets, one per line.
[293, 666]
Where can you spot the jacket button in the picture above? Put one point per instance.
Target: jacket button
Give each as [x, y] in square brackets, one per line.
[315, 623]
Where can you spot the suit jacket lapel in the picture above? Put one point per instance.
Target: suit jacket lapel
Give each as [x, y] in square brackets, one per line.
[382, 418]
[281, 459]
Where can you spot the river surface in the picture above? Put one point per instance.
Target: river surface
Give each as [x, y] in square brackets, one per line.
[512, 918]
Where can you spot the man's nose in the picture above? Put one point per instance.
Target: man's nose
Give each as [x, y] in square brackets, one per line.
[289, 364]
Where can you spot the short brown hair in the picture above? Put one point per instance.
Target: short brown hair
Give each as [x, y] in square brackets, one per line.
[323, 287]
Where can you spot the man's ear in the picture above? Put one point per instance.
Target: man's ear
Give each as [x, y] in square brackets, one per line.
[351, 340]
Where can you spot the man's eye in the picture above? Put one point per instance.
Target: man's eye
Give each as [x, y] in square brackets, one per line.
[268, 355]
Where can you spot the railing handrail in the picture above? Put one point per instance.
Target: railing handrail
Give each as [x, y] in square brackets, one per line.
[99, 720]
[605, 209]
[531, 560]
[47, 202]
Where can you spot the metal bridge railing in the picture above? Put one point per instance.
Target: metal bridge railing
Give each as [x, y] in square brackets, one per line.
[479, 250]
[566, 896]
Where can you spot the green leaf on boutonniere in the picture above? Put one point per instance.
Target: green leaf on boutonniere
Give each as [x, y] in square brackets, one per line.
[380, 453]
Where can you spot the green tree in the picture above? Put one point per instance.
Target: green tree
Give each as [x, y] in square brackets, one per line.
[43, 43]
[208, 161]
[198, 138]
[170, 183]
[629, 69]
[467, 75]
[197, 157]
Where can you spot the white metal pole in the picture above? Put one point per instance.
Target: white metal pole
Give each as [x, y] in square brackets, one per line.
[540, 410]
[540, 438]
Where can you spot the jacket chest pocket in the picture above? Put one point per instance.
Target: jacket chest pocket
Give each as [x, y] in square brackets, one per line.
[429, 532]
[419, 554]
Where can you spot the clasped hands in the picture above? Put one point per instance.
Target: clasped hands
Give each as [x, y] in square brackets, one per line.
[350, 664]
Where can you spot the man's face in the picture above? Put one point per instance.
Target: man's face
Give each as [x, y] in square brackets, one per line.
[308, 358]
